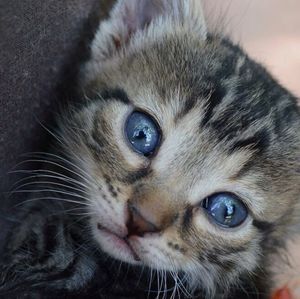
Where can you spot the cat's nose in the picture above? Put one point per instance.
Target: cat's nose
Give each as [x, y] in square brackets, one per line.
[137, 224]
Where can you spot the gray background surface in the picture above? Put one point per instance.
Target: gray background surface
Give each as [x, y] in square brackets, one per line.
[41, 42]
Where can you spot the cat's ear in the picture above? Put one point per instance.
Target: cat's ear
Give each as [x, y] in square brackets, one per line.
[153, 18]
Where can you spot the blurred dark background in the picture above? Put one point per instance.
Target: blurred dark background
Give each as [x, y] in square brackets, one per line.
[41, 44]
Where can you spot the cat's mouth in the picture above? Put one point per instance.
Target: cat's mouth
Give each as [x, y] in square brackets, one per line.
[119, 242]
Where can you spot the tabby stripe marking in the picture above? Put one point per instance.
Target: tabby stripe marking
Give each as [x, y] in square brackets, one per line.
[116, 94]
[259, 142]
[215, 99]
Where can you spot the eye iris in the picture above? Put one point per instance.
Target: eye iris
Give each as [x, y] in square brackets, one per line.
[226, 209]
[142, 132]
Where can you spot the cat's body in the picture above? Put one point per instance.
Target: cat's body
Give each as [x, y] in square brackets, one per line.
[214, 131]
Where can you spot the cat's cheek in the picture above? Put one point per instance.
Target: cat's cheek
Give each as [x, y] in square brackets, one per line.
[108, 213]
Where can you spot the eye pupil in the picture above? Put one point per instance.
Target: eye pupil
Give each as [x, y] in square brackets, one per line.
[225, 209]
[142, 133]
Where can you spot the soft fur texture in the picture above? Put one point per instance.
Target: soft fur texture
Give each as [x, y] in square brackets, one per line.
[226, 125]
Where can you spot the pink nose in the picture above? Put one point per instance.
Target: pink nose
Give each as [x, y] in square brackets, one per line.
[137, 225]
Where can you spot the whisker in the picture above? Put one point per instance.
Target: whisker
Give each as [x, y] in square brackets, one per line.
[180, 283]
[51, 183]
[150, 283]
[56, 175]
[55, 164]
[86, 213]
[140, 276]
[53, 198]
[175, 286]
[50, 132]
[165, 285]
[53, 191]
[119, 270]
[158, 283]
[64, 160]
[161, 282]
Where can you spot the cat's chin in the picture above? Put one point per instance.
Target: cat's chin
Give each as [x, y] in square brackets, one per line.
[117, 246]
[132, 249]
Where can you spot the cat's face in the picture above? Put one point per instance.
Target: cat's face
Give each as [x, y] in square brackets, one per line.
[190, 151]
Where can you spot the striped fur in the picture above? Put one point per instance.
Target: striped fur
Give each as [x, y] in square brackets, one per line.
[226, 125]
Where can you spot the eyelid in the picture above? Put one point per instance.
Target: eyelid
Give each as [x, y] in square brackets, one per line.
[149, 112]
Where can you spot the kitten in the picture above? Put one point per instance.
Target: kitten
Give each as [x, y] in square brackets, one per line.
[178, 176]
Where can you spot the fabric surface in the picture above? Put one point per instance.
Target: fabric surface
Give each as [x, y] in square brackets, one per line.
[36, 38]
[41, 42]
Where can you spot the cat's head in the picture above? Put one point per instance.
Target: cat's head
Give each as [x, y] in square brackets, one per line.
[188, 149]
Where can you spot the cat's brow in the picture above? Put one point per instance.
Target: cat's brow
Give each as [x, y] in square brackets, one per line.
[133, 177]
[215, 99]
[116, 94]
[263, 226]
[259, 142]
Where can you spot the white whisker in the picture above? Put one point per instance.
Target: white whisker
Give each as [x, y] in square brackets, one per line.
[50, 183]
[53, 191]
[55, 164]
[180, 283]
[165, 284]
[150, 283]
[87, 213]
[140, 277]
[64, 160]
[53, 174]
[50, 132]
[53, 198]
[158, 283]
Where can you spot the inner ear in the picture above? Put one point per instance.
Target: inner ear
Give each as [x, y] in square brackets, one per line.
[145, 12]
[133, 16]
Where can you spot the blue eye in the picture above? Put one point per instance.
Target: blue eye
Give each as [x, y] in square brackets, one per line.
[225, 209]
[142, 132]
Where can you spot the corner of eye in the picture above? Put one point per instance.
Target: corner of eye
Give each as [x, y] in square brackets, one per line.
[135, 161]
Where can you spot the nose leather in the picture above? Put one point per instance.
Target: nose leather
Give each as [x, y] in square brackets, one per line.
[137, 225]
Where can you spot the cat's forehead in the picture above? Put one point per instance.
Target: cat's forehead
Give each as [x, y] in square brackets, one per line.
[212, 80]
[172, 76]
[181, 63]
[212, 103]
[187, 85]
[174, 82]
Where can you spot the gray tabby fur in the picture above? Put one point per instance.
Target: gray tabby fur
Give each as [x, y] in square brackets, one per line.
[227, 125]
